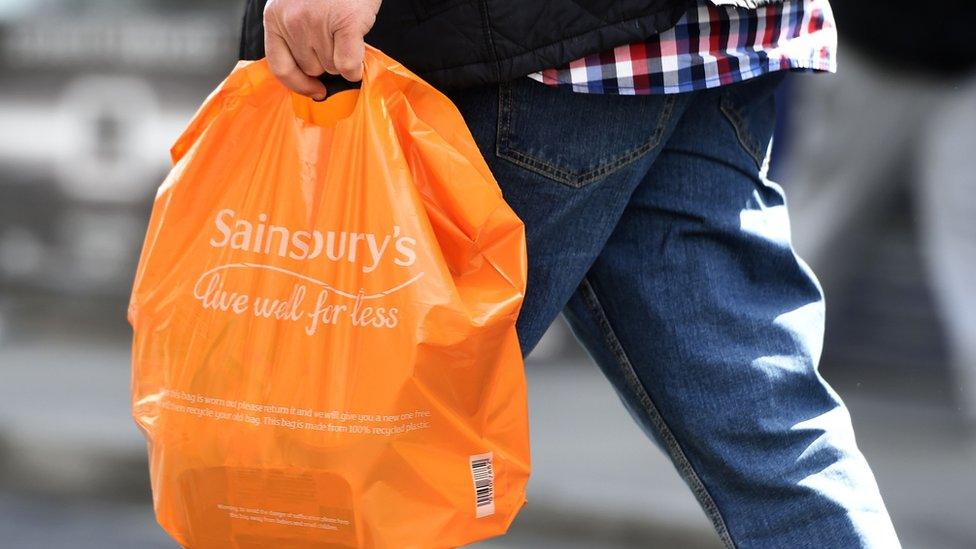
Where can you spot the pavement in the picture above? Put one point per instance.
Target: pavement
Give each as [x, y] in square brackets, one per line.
[73, 472]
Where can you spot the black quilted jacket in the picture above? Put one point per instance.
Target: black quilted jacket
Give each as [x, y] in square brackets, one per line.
[460, 43]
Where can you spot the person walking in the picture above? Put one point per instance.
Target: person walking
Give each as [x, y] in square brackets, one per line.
[632, 139]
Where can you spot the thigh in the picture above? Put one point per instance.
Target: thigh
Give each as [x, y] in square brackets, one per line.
[710, 328]
[947, 206]
[567, 163]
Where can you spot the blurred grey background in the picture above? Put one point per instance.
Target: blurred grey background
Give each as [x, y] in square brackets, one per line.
[879, 163]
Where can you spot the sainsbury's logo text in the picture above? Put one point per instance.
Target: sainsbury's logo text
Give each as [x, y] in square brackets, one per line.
[368, 249]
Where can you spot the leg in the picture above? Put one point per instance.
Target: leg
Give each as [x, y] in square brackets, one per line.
[946, 188]
[567, 163]
[710, 328]
[836, 182]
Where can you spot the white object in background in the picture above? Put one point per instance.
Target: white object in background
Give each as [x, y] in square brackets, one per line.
[947, 199]
[108, 124]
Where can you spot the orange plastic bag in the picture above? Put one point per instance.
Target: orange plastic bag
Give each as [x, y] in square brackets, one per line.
[325, 353]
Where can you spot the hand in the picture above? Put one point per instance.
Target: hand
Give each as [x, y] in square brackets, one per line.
[304, 39]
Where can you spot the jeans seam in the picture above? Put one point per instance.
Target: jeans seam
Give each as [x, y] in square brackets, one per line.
[561, 175]
[738, 124]
[681, 461]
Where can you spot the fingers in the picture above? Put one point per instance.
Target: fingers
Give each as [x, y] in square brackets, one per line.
[324, 49]
[306, 38]
[284, 66]
[308, 62]
[348, 53]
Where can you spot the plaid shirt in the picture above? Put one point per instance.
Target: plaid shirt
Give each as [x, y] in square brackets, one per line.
[710, 46]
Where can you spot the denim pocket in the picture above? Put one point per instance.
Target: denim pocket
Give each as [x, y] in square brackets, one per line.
[576, 138]
[750, 107]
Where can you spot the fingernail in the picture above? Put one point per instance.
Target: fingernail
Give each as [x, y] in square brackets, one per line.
[318, 98]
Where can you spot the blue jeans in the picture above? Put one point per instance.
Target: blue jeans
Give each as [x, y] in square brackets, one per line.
[650, 223]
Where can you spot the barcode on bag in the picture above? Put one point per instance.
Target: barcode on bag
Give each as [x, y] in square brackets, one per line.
[483, 475]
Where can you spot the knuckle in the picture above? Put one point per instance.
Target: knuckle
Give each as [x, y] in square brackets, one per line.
[269, 11]
[347, 64]
[274, 12]
[344, 21]
[291, 18]
[297, 14]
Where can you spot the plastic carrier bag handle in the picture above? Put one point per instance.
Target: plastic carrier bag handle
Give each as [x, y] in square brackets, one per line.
[335, 83]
